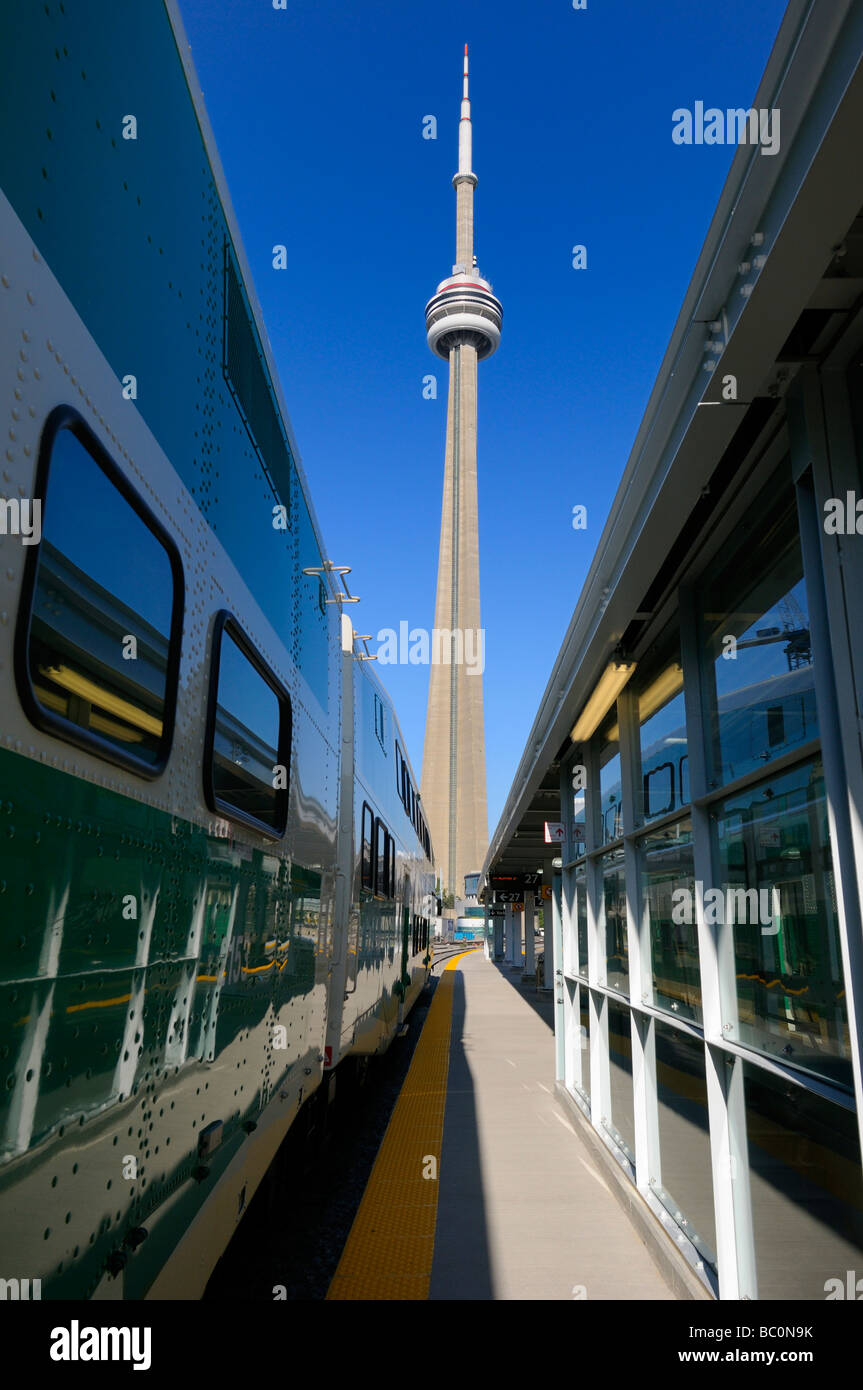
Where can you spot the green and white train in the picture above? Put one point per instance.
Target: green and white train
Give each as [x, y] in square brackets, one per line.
[215, 878]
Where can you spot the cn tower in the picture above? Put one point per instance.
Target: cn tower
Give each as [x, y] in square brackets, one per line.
[463, 321]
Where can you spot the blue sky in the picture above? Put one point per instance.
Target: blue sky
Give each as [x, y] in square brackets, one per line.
[317, 111]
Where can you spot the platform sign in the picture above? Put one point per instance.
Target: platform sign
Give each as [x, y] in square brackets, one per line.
[514, 898]
[555, 831]
[497, 912]
[514, 883]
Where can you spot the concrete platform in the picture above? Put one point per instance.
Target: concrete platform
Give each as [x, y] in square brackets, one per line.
[523, 1210]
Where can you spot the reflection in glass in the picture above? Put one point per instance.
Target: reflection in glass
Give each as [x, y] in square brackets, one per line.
[622, 1125]
[578, 828]
[685, 1186]
[790, 988]
[381, 885]
[246, 743]
[581, 920]
[102, 607]
[584, 1015]
[614, 900]
[664, 784]
[764, 677]
[611, 811]
[568, 910]
[367, 871]
[666, 865]
[807, 1189]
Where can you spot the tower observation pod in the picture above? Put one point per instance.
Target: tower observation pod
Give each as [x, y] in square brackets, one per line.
[463, 323]
[463, 309]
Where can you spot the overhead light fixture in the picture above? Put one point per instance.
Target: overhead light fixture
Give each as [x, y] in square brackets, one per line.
[666, 685]
[605, 692]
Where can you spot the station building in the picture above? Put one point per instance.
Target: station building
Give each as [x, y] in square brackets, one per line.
[699, 738]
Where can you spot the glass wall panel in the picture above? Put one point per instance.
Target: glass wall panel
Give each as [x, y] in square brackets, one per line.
[611, 813]
[584, 1009]
[581, 920]
[686, 1184]
[616, 941]
[667, 864]
[773, 842]
[577, 828]
[755, 634]
[854, 381]
[664, 782]
[622, 1124]
[568, 910]
[807, 1190]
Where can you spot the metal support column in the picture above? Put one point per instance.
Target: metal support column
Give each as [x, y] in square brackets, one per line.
[529, 945]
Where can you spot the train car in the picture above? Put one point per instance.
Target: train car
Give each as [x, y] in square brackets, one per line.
[389, 886]
[193, 929]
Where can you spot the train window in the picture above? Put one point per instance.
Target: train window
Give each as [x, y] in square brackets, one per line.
[245, 371]
[367, 868]
[613, 823]
[659, 790]
[98, 640]
[380, 722]
[381, 866]
[247, 748]
[683, 779]
[391, 866]
[400, 770]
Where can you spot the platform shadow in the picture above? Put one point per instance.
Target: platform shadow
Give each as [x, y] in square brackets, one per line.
[542, 1002]
[461, 1268]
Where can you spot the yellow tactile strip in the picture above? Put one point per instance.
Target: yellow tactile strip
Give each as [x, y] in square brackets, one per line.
[388, 1254]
